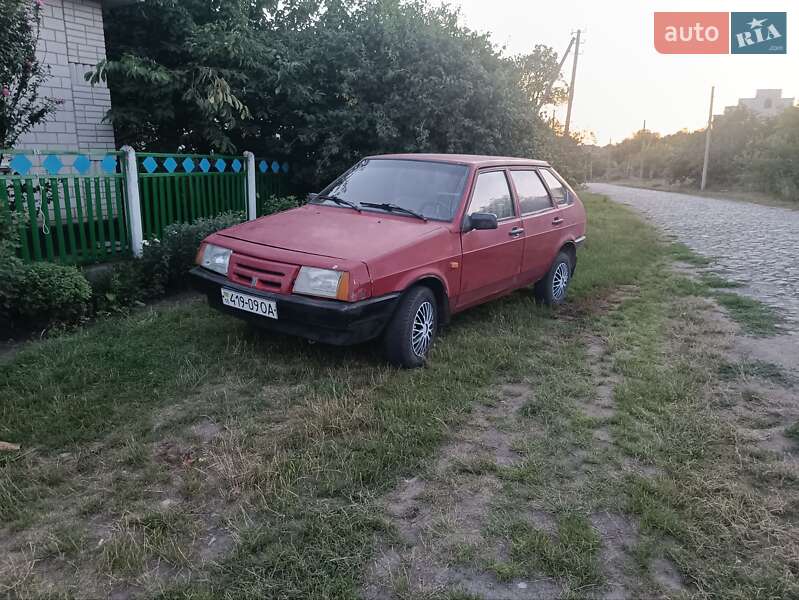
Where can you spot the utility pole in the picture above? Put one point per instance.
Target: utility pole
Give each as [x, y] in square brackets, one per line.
[643, 148]
[571, 85]
[707, 139]
[545, 98]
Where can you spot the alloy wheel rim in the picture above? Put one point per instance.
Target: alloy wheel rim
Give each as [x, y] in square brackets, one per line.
[560, 281]
[422, 331]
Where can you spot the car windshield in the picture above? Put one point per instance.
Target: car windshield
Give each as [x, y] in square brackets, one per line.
[431, 189]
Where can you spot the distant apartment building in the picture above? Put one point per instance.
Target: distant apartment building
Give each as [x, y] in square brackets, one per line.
[72, 42]
[766, 103]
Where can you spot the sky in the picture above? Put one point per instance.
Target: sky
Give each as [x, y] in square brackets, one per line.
[621, 79]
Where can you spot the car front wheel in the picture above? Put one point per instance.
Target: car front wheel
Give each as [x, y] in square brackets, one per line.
[552, 288]
[410, 334]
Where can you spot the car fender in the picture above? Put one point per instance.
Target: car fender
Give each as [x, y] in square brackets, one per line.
[442, 290]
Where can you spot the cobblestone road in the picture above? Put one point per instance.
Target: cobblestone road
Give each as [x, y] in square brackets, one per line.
[755, 245]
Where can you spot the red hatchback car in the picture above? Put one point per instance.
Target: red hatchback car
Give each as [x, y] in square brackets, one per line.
[395, 246]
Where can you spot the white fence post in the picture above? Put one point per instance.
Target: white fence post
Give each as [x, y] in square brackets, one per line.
[134, 205]
[252, 208]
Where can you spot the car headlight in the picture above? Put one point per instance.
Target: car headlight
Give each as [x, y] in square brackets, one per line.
[322, 282]
[215, 258]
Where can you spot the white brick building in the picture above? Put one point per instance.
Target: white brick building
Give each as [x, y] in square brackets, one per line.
[71, 43]
[766, 103]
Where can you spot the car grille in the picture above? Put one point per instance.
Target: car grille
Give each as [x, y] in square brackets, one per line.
[261, 274]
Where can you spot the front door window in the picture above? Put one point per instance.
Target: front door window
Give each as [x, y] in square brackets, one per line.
[492, 195]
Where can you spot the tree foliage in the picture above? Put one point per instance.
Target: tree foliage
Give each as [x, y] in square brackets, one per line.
[21, 73]
[747, 150]
[773, 161]
[540, 77]
[176, 70]
[320, 83]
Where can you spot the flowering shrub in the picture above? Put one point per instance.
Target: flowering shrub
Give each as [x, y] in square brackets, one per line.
[21, 73]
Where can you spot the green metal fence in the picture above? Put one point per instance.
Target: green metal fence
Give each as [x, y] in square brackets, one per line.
[69, 207]
[270, 180]
[72, 207]
[178, 188]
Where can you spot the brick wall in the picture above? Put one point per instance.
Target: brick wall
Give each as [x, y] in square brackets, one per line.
[71, 43]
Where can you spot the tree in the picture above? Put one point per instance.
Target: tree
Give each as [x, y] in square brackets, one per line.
[389, 76]
[537, 72]
[747, 151]
[21, 73]
[772, 163]
[319, 83]
[176, 69]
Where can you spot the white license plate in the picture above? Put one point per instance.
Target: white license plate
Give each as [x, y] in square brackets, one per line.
[253, 304]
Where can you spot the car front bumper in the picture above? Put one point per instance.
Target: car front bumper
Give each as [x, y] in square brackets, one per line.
[327, 321]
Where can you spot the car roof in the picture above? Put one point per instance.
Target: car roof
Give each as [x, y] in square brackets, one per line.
[477, 160]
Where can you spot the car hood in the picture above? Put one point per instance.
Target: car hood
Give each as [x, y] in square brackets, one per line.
[335, 232]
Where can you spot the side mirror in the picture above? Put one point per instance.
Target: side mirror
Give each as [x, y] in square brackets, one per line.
[482, 221]
[311, 196]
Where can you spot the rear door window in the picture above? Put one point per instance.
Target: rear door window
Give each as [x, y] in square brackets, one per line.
[492, 195]
[533, 196]
[559, 192]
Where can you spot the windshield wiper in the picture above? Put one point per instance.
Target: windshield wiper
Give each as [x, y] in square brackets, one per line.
[341, 201]
[390, 207]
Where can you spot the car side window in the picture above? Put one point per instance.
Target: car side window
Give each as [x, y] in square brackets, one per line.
[559, 192]
[533, 196]
[492, 195]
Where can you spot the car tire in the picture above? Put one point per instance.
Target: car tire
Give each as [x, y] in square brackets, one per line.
[410, 334]
[552, 289]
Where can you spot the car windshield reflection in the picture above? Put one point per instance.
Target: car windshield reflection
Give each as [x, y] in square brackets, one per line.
[430, 189]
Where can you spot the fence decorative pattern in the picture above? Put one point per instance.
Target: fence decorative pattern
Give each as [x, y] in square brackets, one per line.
[72, 207]
[69, 207]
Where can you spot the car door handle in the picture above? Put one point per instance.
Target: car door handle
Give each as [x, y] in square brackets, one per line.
[516, 231]
[557, 220]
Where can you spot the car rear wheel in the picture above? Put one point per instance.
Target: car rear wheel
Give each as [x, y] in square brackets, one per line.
[552, 289]
[410, 334]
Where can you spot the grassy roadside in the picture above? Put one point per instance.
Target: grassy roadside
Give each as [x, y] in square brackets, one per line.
[645, 473]
[734, 195]
[176, 453]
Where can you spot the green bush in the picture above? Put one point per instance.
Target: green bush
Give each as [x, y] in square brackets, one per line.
[55, 293]
[165, 263]
[10, 263]
[36, 294]
[49, 293]
[273, 204]
[163, 266]
[117, 288]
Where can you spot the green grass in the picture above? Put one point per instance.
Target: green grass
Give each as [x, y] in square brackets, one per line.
[308, 438]
[682, 253]
[712, 280]
[755, 317]
[570, 553]
[756, 368]
[793, 431]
